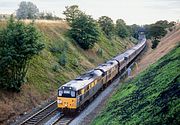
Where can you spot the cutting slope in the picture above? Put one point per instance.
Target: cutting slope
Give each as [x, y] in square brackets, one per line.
[153, 97]
[167, 43]
[45, 75]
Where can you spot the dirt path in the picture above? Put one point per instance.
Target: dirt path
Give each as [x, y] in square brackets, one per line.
[151, 56]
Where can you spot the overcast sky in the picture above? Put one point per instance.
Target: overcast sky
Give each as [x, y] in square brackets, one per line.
[132, 11]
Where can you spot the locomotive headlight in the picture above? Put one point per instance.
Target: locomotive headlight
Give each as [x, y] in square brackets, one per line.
[59, 101]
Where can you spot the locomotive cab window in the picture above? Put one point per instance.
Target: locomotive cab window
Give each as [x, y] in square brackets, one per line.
[67, 93]
[60, 93]
[73, 94]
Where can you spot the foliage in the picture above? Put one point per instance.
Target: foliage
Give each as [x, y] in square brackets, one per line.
[71, 13]
[151, 98]
[121, 29]
[48, 16]
[106, 24]
[55, 68]
[100, 52]
[155, 43]
[134, 30]
[165, 24]
[84, 31]
[63, 59]
[75, 63]
[156, 31]
[27, 10]
[18, 44]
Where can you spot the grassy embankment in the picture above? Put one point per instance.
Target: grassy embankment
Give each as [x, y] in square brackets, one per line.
[41, 72]
[153, 97]
[45, 74]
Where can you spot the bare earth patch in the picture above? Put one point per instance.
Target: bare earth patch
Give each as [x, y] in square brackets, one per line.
[151, 56]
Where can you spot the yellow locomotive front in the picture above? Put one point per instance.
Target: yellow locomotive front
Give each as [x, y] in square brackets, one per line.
[66, 100]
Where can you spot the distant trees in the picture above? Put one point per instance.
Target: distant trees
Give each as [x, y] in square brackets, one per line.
[18, 44]
[48, 16]
[122, 29]
[134, 30]
[106, 24]
[27, 10]
[158, 30]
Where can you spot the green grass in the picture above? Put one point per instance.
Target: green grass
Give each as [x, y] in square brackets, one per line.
[153, 97]
[46, 75]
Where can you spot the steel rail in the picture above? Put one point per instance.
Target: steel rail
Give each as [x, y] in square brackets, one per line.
[40, 115]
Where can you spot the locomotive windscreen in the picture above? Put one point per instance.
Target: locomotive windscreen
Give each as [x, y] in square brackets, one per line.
[67, 93]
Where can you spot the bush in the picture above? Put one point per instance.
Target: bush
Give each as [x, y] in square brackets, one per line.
[75, 63]
[155, 43]
[100, 52]
[55, 49]
[55, 68]
[59, 49]
[19, 43]
[63, 59]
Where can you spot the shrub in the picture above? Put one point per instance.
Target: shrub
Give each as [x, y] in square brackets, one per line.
[63, 59]
[100, 52]
[75, 63]
[55, 68]
[19, 43]
[155, 43]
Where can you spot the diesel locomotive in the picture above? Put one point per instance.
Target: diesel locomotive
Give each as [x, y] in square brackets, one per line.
[73, 95]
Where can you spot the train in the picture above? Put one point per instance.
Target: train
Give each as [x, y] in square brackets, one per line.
[73, 95]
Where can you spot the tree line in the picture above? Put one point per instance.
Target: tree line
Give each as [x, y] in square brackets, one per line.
[86, 31]
[158, 30]
[28, 10]
[20, 42]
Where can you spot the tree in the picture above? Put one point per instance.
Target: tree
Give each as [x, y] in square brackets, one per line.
[134, 30]
[155, 43]
[84, 31]
[72, 13]
[121, 29]
[106, 25]
[156, 31]
[18, 44]
[120, 21]
[27, 10]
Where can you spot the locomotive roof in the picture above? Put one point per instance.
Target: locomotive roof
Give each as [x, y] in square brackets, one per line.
[83, 80]
[87, 78]
[119, 57]
[139, 44]
[128, 52]
[106, 66]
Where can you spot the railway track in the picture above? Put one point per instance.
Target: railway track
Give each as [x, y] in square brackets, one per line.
[64, 121]
[59, 119]
[40, 115]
